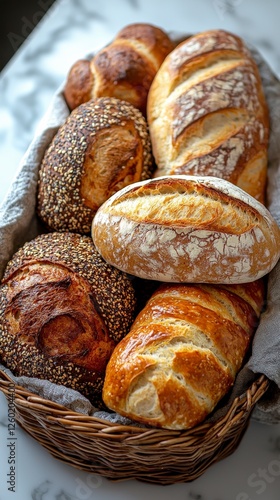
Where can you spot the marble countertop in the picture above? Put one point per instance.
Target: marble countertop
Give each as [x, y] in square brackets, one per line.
[69, 30]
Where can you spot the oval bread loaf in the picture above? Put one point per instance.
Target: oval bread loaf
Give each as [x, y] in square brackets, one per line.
[182, 353]
[103, 146]
[62, 311]
[125, 68]
[207, 112]
[187, 229]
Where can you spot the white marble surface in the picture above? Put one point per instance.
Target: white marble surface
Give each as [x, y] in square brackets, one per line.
[71, 29]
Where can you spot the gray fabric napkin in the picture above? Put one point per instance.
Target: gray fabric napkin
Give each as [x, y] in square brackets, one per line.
[18, 223]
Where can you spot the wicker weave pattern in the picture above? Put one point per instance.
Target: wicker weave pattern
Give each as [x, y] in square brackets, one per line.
[120, 452]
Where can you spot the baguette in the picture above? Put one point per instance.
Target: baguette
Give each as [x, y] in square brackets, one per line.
[187, 229]
[207, 113]
[182, 353]
[124, 69]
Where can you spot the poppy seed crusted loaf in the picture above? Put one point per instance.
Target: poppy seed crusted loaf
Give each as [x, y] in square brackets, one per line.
[102, 147]
[62, 311]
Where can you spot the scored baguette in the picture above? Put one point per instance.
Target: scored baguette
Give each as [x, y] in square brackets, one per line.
[182, 353]
[187, 229]
[207, 112]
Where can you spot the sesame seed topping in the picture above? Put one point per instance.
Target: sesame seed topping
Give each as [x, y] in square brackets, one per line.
[113, 299]
[60, 204]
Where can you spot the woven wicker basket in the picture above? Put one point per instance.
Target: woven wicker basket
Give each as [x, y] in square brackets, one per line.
[120, 452]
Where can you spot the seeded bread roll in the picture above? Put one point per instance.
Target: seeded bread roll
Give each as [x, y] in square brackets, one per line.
[62, 311]
[187, 229]
[182, 353]
[103, 146]
[208, 115]
[124, 69]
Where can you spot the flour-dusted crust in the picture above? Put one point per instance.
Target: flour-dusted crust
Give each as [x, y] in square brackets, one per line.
[187, 229]
[207, 112]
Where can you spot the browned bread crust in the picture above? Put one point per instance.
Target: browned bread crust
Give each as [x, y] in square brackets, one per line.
[124, 69]
[62, 311]
[182, 353]
[187, 229]
[103, 146]
[207, 112]
[78, 88]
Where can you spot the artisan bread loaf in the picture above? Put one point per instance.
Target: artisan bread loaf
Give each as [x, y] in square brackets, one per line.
[103, 146]
[207, 113]
[182, 353]
[124, 69]
[62, 311]
[187, 229]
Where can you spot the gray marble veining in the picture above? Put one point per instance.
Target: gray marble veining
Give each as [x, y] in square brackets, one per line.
[74, 28]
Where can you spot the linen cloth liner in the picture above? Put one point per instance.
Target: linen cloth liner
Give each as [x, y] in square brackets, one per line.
[18, 224]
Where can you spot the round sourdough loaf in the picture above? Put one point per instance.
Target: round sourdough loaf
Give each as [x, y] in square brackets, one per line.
[62, 311]
[187, 229]
[182, 353]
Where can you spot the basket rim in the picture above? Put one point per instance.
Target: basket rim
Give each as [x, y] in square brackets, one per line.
[241, 405]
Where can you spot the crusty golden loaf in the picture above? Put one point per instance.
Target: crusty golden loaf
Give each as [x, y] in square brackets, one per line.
[187, 229]
[103, 146]
[207, 112]
[62, 311]
[182, 353]
[124, 69]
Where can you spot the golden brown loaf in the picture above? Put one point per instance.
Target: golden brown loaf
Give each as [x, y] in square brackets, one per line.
[182, 353]
[62, 311]
[124, 69]
[103, 146]
[187, 229]
[207, 112]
